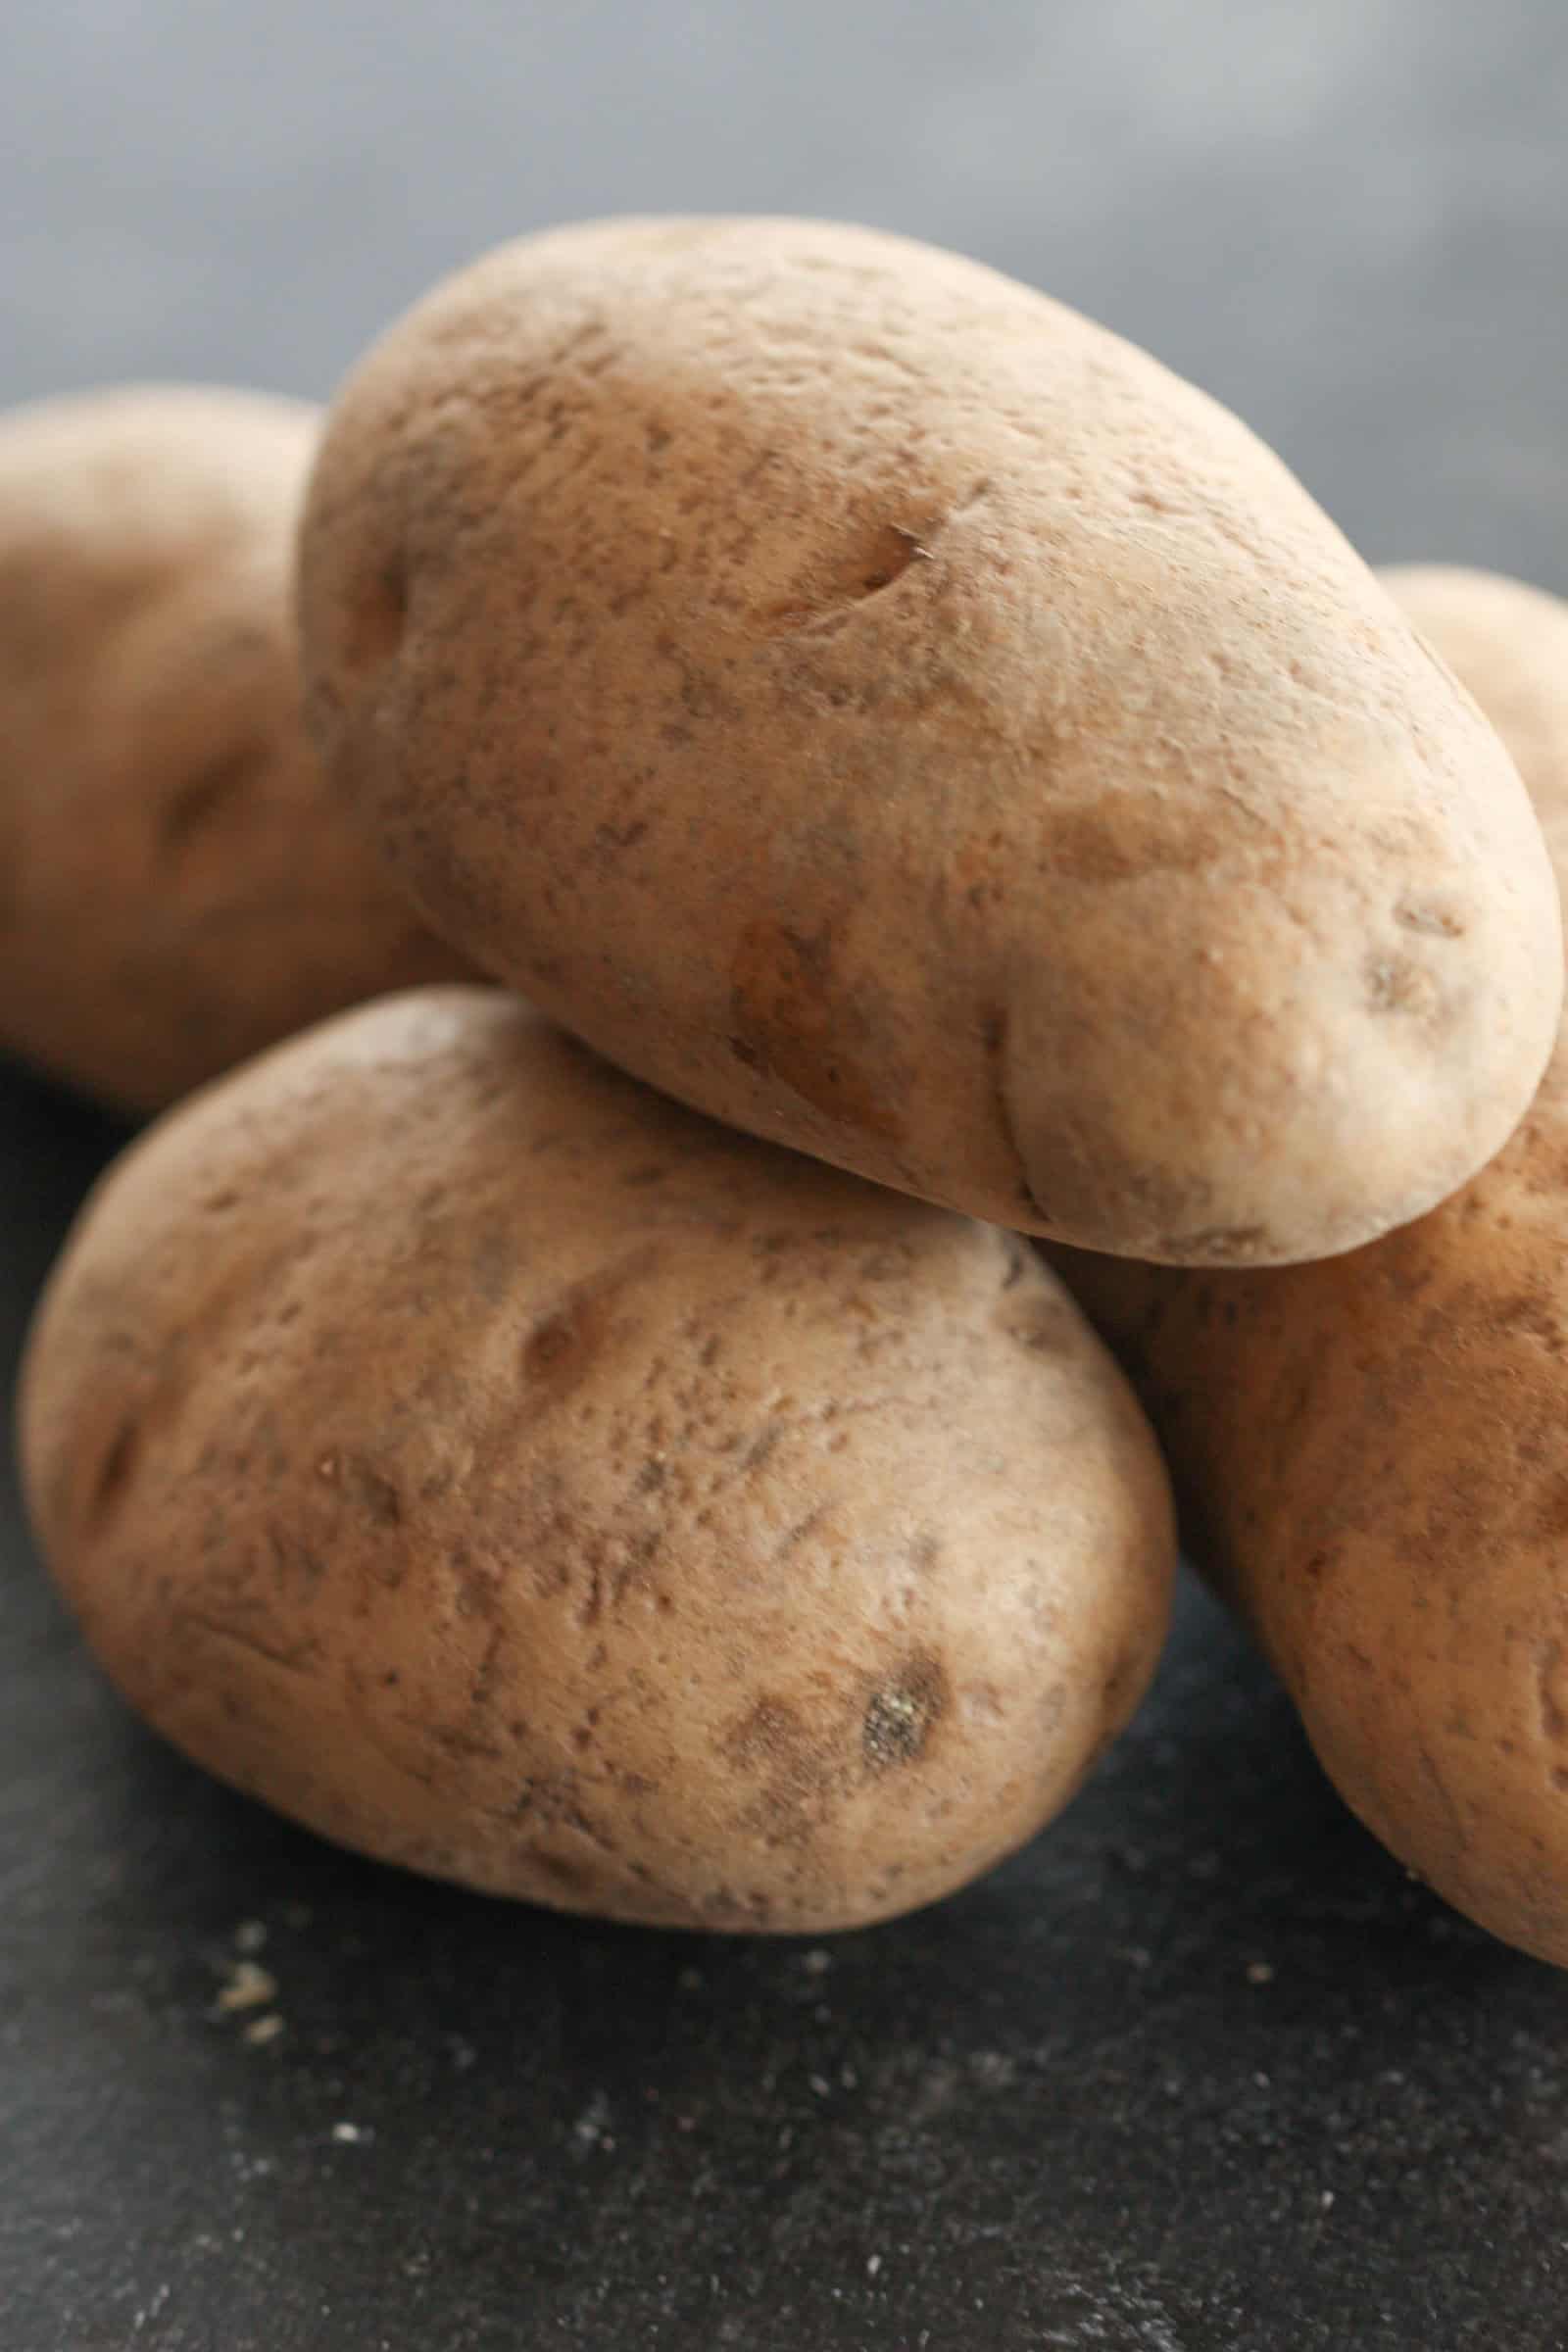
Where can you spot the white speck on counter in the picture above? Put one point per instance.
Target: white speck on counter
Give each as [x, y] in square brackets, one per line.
[262, 2030]
[352, 2135]
[589, 2130]
[1259, 1972]
[250, 1936]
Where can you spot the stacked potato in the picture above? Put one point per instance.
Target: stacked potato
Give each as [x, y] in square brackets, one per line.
[890, 715]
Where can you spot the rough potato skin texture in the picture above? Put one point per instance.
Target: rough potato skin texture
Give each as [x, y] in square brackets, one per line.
[1376, 1449]
[511, 1475]
[176, 889]
[885, 709]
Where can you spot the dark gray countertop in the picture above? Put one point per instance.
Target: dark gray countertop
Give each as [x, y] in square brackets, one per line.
[1202, 2071]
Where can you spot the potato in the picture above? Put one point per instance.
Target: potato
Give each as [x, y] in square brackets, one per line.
[511, 1475]
[888, 711]
[175, 888]
[1378, 1447]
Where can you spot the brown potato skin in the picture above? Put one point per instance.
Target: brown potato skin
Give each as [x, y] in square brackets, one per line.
[176, 889]
[511, 1475]
[888, 711]
[1375, 1449]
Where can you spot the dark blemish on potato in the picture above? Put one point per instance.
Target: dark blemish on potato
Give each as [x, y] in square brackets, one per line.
[769, 1732]
[616, 838]
[791, 1018]
[1394, 984]
[925, 1552]
[1123, 838]
[207, 797]
[378, 615]
[566, 1341]
[901, 1715]
[761, 1448]
[1432, 921]
[376, 1494]
[635, 1178]
[115, 1473]
[557, 1867]
[1552, 1697]
[801, 1532]
[652, 1476]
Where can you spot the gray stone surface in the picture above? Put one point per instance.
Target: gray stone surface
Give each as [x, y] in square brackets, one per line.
[1202, 2071]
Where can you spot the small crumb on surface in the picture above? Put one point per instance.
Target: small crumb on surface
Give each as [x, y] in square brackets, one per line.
[262, 2030]
[1326, 2199]
[816, 1962]
[873, 2262]
[351, 2134]
[250, 1936]
[1260, 1972]
[247, 1986]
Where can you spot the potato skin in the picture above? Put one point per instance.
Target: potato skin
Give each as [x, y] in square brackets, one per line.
[890, 713]
[1376, 1449]
[176, 889]
[511, 1475]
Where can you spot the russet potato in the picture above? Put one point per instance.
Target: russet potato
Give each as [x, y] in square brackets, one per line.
[513, 1474]
[890, 713]
[176, 889]
[1375, 1449]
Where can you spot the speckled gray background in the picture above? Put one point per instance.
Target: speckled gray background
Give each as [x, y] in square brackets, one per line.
[1201, 2071]
[1346, 217]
